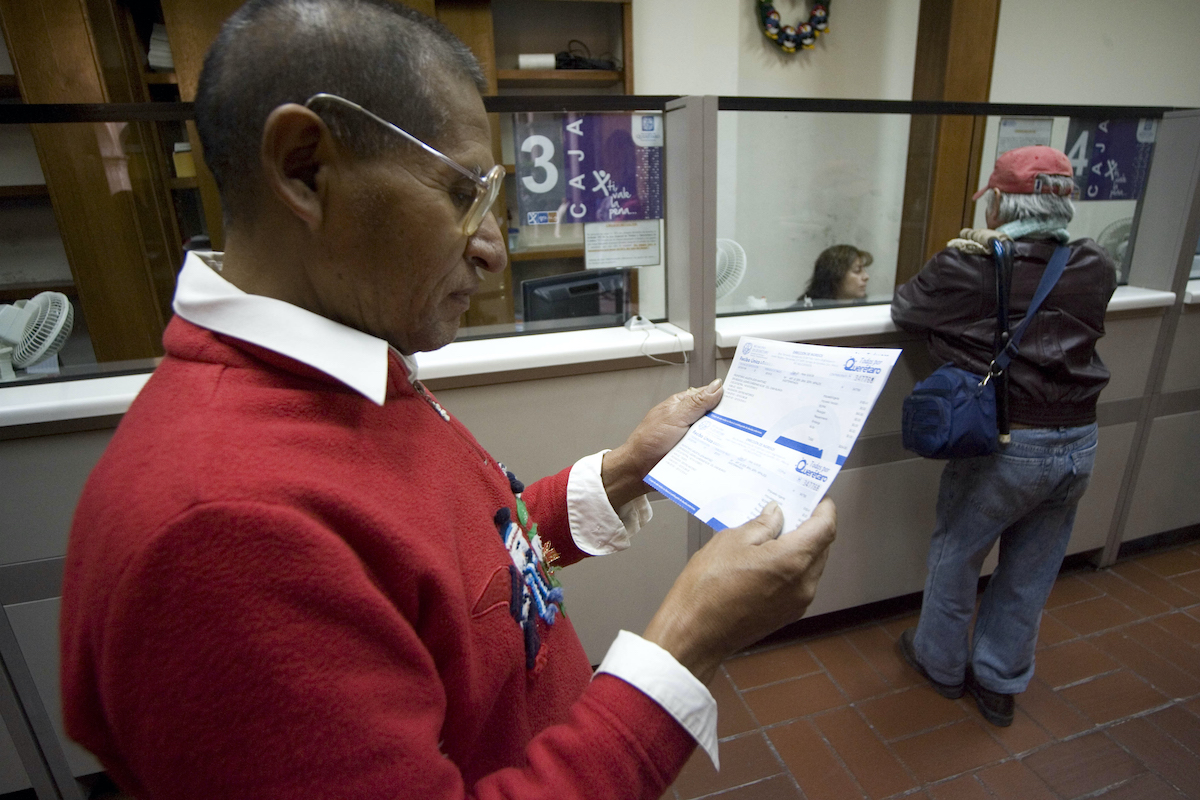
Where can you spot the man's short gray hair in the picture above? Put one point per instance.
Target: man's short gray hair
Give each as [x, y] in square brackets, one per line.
[1041, 207]
[380, 54]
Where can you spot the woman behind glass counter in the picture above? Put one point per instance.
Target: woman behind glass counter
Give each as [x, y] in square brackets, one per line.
[839, 274]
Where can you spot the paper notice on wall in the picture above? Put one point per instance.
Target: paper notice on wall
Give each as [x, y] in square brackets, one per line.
[782, 431]
[622, 244]
[1020, 132]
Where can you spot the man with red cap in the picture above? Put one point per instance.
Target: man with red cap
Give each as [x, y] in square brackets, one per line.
[1025, 494]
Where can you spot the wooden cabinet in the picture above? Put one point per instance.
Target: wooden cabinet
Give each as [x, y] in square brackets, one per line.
[123, 240]
[601, 28]
[104, 180]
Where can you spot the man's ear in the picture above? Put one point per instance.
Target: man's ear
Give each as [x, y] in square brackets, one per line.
[297, 148]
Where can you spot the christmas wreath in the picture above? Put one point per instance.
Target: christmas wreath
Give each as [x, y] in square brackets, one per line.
[788, 38]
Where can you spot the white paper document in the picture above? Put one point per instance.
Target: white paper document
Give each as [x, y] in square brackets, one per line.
[783, 429]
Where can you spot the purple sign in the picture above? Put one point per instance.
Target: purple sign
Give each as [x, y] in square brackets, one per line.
[588, 167]
[1110, 158]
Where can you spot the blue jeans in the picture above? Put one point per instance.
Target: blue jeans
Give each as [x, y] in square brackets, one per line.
[1025, 495]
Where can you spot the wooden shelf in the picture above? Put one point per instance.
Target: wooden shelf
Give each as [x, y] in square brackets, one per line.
[185, 183]
[9, 88]
[32, 190]
[159, 78]
[11, 292]
[542, 255]
[558, 78]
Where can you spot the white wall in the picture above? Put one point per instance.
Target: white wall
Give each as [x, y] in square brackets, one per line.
[1149, 57]
[793, 184]
[1098, 52]
[685, 46]
[869, 53]
[715, 47]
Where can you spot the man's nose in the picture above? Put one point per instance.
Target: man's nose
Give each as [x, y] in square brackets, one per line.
[485, 247]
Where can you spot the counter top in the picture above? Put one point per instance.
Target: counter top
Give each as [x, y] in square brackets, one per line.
[104, 396]
[1191, 295]
[483, 356]
[833, 323]
[809, 325]
[1130, 298]
[81, 399]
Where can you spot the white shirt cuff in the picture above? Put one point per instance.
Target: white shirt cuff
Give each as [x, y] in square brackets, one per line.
[596, 528]
[655, 672]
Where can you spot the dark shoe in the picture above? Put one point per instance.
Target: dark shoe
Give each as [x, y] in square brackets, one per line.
[951, 691]
[996, 708]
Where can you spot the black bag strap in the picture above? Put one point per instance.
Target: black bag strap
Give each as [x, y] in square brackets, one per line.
[1053, 272]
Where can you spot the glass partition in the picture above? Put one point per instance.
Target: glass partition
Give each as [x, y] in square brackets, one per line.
[1111, 158]
[100, 209]
[827, 203]
[583, 213]
[793, 185]
[101, 213]
[93, 221]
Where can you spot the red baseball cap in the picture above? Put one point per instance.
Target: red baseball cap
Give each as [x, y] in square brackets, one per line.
[1017, 170]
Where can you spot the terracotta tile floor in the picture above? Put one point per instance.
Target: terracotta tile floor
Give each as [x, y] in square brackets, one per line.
[1113, 710]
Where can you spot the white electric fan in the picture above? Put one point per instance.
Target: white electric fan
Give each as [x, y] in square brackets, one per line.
[33, 330]
[1115, 239]
[731, 266]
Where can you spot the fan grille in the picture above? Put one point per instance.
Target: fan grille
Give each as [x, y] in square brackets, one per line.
[47, 330]
[731, 266]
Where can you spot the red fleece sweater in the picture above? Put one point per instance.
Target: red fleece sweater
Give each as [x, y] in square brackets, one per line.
[276, 588]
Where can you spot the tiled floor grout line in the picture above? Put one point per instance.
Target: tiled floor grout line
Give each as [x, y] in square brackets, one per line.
[1138, 758]
[854, 705]
[750, 783]
[1165, 651]
[761, 732]
[1018, 757]
[762, 729]
[886, 743]
[756, 687]
[788, 770]
[849, 703]
[887, 746]
[1088, 679]
[1103, 728]
[1109, 789]
[1172, 609]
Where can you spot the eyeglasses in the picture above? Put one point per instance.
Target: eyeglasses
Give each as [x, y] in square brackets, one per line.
[487, 186]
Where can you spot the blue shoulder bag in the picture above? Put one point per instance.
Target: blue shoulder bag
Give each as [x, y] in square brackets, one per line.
[955, 413]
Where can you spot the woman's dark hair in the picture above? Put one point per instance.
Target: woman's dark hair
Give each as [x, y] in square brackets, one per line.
[831, 267]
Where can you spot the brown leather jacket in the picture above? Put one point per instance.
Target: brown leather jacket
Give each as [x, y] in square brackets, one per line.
[1056, 376]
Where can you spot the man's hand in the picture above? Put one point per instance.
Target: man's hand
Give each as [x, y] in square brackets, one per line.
[744, 584]
[625, 467]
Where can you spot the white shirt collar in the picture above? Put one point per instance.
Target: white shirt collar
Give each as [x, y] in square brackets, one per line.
[357, 359]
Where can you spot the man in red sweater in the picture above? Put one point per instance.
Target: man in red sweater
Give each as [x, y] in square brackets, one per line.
[293, 573]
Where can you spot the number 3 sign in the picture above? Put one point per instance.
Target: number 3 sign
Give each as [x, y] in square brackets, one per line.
[588, 167]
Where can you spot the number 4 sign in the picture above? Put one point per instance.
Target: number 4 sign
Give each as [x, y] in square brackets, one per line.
[1110, 158]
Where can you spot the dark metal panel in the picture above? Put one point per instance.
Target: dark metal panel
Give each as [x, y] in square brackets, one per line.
[39, 748]
[31, 580]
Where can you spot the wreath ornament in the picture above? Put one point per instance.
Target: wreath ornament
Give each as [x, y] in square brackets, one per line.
[787, 38]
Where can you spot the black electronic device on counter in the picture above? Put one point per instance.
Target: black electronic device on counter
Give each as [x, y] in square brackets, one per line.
[600, 293]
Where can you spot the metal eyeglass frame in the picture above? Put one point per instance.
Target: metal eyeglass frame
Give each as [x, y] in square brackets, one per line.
[487, 186]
